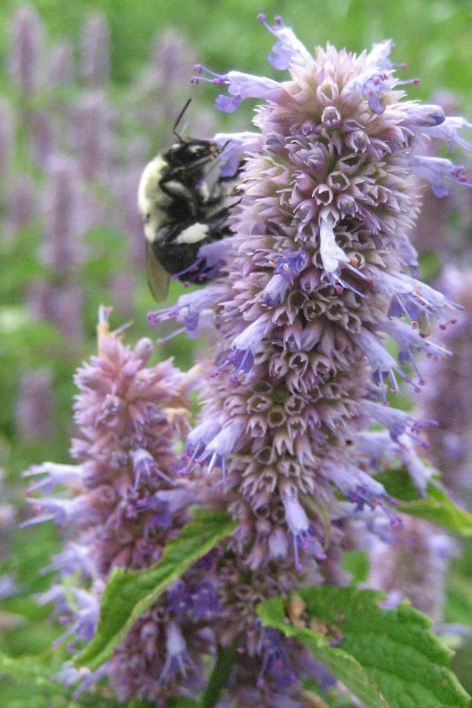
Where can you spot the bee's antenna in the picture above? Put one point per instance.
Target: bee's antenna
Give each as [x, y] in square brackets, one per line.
[223, 147]
[181, 115]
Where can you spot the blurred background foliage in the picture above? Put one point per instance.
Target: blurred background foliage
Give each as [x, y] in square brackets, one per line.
[71, 150]
[432, 36]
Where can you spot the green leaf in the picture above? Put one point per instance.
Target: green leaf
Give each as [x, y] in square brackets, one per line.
[356, 563]
[436, 507]
[182, 702]
[329, 698]
[439, 509]
[458, 600]
[32, 679]
[398, 484]
[128, 594]
[342, 665]
[35, 672]
[395, 660]
[92, 700]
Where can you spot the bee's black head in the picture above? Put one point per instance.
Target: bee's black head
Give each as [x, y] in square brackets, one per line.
[191, 153]
[188, 154]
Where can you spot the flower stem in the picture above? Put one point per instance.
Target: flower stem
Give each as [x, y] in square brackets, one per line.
[220, 674]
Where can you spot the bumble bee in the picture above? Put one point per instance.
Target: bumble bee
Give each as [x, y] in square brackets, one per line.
[180, 212]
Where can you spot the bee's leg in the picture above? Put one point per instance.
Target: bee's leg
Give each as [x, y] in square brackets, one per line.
[195, 166]
[164, 234]
[217, 192]
[230, 178]
[217, 220]
[216, 195]
[175, 189]
[182, 203]
[198, 164]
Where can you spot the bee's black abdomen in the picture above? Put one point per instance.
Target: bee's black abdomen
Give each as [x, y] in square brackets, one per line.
[184, 260]
[174, 257]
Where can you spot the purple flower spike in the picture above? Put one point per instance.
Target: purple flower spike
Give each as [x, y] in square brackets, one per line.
[319, 271]
[35, 406]
[95, 55]
[123, 505]
[27, 51]
[316, 271]
[413, 566]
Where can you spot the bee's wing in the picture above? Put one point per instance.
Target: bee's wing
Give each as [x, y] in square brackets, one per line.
[158, 278]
